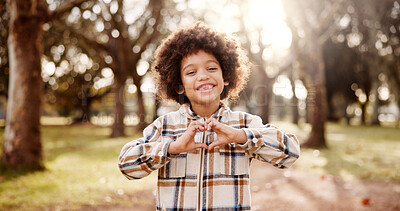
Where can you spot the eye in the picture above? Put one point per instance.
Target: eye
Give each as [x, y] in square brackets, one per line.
[190, 72]
[212, 68]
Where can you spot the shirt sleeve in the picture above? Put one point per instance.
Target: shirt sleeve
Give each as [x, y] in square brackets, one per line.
[269, 144]
[140, 157]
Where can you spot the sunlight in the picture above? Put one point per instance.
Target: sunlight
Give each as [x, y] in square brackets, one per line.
[148, 85]
[383, 93]
[142, 67]
[269, 15]
[300, 90]
[283, 87]
[49, 68]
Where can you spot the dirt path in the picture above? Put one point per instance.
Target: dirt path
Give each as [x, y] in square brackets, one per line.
[276, 189]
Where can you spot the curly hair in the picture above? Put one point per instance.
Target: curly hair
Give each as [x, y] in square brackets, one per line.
[186, 41]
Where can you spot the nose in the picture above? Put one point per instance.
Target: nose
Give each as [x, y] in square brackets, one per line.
[202, 75]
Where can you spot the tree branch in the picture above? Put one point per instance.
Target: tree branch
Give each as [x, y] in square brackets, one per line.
[326, 20]
[113, 22]
[82, 38]
[157, 5]
[61, 10]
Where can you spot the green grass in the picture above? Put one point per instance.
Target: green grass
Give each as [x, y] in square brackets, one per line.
[81, 165]
[81, 169]
[354, 152]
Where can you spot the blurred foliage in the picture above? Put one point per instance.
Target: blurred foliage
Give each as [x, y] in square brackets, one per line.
[70, 72]
[359, 46]
[362, 51]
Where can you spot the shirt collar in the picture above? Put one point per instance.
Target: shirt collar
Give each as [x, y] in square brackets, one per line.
[187, 111]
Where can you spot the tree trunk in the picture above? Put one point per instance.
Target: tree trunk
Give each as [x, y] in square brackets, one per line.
[22, 143]
[363, 113]
[316, 98]
[119, 54]
[295, 103]
[331, 116]
[141, 112]
[118, 128]
[375, 103]
[316, 138]
[264, 91]
[84, 117]
[311, 52]
[265, 103]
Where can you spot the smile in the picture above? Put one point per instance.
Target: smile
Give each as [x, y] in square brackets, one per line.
[205, 88]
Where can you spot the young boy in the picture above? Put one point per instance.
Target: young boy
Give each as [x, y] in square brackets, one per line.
[203, 151]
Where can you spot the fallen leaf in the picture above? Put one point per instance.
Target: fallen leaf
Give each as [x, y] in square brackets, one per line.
[365, 201]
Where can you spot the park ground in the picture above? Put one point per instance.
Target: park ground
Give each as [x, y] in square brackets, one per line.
[275, 189]
[359, 171]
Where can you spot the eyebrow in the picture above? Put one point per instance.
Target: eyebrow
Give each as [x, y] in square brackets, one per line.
[208, 61]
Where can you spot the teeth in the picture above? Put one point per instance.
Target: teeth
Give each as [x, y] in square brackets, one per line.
[206, 87]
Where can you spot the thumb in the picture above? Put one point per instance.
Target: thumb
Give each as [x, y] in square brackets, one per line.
[201, 145]
[212, 145]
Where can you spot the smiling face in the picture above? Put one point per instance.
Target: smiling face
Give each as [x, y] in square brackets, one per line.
[202, 79]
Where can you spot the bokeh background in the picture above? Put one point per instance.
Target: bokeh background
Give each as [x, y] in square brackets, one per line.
[75, 85]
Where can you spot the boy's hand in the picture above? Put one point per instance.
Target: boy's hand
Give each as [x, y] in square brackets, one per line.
[186, 142]
[225, 133]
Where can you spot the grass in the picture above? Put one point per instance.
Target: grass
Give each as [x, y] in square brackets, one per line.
[81, 165]
[354, 152]
[81, 169]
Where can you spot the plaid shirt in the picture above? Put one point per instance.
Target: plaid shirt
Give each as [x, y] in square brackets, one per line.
[224, 180]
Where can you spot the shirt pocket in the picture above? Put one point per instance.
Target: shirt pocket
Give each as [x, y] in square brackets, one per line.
[233, 160]
[176, 168]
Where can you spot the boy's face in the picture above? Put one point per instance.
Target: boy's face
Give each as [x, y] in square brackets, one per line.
[202, 79]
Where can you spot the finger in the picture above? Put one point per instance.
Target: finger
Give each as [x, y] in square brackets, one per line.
[200, 127]
[193, 123]
[213, 144]
[215, 125]
[209, 120]
[192, 129]
[211, 123]
[194, 126]
[201, 145]
[220, 141]
[189, 134]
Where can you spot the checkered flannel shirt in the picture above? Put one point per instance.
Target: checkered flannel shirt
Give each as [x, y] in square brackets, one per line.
[224, 180]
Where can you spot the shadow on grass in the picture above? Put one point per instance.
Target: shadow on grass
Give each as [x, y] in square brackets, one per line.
[87, 142]
[8, 173]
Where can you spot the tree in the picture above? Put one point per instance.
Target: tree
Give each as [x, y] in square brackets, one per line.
[373, 21]
[22, 140]
[72, 74]
[123, 44]
[4, 67]
[347, 71]
[365, 43]
[265, 82]
[312, 22]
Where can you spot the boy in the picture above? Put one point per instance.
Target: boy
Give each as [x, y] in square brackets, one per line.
[203, 151]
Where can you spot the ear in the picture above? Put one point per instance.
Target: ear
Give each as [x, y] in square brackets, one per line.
[226, 83]
[180, 90]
